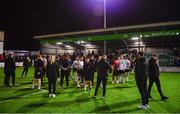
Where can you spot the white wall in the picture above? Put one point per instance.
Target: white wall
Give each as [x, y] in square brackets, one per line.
[1, 47]
[1, 42]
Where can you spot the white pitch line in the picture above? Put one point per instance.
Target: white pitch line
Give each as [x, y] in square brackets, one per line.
[23, 96]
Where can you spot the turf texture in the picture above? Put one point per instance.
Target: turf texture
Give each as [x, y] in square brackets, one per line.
[121, 98]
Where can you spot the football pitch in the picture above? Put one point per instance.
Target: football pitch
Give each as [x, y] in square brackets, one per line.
[121, 98]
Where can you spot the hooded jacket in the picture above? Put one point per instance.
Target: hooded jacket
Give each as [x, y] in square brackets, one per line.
[153, 68]
[141, 69]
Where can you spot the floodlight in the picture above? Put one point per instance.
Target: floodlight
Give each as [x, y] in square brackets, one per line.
[135, 38]
[138, 43]
[59, 43]
[68, 46]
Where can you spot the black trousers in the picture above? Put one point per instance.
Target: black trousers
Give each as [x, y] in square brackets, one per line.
[52, 85]
[80, 75]
[66, 75]
[6, 78]
[8, 75]
[142, 87]
[25, 71]
[158, 84]
[104, 82]
[92, 78]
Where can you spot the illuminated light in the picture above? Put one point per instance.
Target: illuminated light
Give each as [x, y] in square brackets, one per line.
[135, 38]
[141, 36]
[138, 43]
[59, 43]
[68, 46]
[88, 45]
[177, 33]
[80, 42]
[98, 11]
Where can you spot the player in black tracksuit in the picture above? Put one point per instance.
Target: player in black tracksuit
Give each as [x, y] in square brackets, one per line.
[87, 72]
[9, 70]
[26, 64]
[52, 73]
[102, 68]
[141, 76]
[93, 63]
[154, 76]
[38, 72]
[65, 70]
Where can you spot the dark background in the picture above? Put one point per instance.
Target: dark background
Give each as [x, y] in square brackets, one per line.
[23, 19]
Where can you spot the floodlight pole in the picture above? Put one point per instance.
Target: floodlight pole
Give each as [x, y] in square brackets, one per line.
[105, 14]
[139, 44]
[105, 26]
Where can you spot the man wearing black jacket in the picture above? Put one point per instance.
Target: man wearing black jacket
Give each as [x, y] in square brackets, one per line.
[26, 64]
[102, 68]
[154, 76]
[87, 71]
[52, 73]
[38, 72]
[141, 76]
[65, 70]
[93, 63]
[9, 70]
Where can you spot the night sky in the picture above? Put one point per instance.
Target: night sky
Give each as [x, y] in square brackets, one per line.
[22, 19]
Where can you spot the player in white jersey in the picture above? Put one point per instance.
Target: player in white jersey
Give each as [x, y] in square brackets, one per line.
[79, 65]
[128, 65]
[121, 68]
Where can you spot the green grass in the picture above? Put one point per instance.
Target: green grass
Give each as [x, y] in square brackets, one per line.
[120, 98]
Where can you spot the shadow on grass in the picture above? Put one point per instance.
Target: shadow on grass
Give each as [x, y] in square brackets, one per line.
[121, 87]
[107, 108]
[43, 103]
[20, 95]
[25, 83]
[74, 91]
[33, 105]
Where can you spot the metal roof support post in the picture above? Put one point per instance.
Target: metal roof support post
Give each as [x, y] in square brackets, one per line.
[57, 50]
[105, 45]
[139, 45]
[41, 48]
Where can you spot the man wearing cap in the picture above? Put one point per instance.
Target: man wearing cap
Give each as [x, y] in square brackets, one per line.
[154, 76]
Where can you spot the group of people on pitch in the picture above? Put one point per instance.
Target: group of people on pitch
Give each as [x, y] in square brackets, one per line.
[83, 68]
[56, 68]
[145, 70]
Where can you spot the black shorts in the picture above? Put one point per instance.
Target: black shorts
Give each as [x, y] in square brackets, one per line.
[80, 73]
[87, 77]
[115, 73]
[121, 72]
[74, 69]
[38, 73]
[127, 70]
